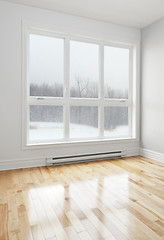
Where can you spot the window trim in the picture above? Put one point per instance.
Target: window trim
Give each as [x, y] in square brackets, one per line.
[131, 102]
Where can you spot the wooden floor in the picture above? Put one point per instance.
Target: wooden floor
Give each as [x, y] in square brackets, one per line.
[116, 199]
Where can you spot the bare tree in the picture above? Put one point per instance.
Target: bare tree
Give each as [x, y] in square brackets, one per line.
[84, 88]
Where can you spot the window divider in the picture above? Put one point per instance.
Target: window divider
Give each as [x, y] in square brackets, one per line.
[130, 91]
[66, 108]
[27, 83]
[101, 91]
[79, 101]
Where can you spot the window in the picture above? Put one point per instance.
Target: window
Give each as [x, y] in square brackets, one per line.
[77, 89]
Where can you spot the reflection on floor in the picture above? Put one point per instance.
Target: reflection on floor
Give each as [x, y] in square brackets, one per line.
[116, 199]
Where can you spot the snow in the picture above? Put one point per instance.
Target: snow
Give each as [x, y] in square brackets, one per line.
[122, 130]
[50, 131]
[45, 131]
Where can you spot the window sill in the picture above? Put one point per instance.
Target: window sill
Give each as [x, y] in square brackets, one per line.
[74, 143]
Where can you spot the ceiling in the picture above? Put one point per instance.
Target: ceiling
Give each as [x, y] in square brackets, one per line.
[133, 13]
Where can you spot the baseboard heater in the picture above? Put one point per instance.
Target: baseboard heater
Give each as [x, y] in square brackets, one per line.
[84, 158]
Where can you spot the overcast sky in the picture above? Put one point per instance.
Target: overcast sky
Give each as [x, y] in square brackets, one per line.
[47, 61]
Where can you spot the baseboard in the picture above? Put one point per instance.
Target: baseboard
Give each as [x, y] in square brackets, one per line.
[152, 155]
[10, 164]
[132, 152]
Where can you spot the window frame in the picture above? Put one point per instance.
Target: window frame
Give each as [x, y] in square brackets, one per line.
[66, 101]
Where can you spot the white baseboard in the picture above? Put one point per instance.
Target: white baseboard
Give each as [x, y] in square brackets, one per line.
[10, 164]
[132, 152]
[152, 155]
[37, 162]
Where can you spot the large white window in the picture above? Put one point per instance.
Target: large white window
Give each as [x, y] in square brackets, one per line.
[77, 89]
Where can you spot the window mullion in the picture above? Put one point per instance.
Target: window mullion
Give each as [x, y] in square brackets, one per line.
[46, 101]
[84, 102]
[101, 91]
[26, 90]
[66, 108]
[116, 103]
[130, 91]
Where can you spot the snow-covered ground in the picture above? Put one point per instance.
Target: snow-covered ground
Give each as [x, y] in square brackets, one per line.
[50, 131]
[122, 130]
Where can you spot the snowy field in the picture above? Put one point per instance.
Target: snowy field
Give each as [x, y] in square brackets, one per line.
[50, 131]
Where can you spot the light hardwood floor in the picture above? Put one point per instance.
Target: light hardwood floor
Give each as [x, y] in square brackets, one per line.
[117, 199]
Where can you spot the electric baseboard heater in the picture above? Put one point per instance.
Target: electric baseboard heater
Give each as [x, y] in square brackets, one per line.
[84, 158]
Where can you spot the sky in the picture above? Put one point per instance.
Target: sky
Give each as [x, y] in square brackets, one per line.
[47, 62]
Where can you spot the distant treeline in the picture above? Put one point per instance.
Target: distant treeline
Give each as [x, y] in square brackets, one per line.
[113, 116]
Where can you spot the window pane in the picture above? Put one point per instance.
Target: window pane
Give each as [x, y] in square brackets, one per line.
[46, 123]
[116, 72]
[116, 121]
[83, 122]
[84, 69]
[46, 66]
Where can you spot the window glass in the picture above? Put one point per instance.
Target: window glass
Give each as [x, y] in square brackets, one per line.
[116, 122]
[84, 69]
[83, 122]
[116, 72]
[46, 66]
[46, 123]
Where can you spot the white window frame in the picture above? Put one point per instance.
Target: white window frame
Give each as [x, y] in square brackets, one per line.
[66, 101]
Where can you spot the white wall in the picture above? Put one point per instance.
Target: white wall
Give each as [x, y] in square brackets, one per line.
[152, 104]
[11, 16]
